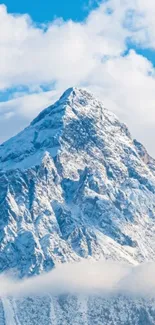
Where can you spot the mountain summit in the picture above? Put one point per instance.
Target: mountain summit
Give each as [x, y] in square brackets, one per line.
[75, 185]
[71, 122]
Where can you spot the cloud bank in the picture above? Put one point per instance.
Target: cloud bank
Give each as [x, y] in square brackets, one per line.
[101, 278]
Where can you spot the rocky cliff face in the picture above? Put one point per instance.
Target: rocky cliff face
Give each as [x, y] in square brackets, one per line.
[75, 185]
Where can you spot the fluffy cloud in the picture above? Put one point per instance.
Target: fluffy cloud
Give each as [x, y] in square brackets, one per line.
[27, 105]
[93, 54]
[63, 52]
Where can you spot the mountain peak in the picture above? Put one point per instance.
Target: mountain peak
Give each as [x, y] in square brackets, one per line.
[76, 121]
[70, 92]
[73, 92]
[73, 184]
[72, 96]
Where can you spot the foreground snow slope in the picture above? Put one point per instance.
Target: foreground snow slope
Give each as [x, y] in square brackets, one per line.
[75, 310]
[74, 185]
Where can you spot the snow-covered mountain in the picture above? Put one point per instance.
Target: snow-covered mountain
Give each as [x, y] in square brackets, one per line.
[74, 185]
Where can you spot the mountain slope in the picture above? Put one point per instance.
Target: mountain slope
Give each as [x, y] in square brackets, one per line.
[75, 310]
[75, 185]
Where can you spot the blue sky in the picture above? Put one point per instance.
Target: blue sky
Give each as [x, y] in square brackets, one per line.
[106, 46]
[148, 53]
[46, 10]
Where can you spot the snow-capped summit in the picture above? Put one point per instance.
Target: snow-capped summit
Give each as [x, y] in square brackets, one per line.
[76, 115]
[75, 185]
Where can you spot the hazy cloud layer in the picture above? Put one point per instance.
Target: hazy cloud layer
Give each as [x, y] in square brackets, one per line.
[94, 54]
[86, 278]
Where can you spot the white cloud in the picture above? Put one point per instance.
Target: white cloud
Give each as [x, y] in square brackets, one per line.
[86, 277]
[127, 86]
[64, 52]
[88, 54]
[143, 22]
[28, 105]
